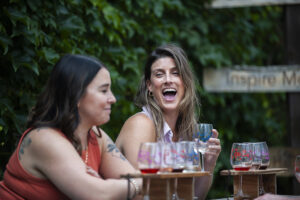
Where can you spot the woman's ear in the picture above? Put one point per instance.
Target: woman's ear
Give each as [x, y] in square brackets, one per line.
[149, 86]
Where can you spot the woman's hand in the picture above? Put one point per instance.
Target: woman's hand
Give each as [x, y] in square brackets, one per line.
[213, 151]
[276, 197]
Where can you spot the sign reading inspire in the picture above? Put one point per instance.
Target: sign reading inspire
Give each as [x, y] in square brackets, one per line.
[253, 79]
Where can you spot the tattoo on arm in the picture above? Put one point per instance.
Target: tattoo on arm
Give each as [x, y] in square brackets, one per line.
[25, 143]
[113, 150]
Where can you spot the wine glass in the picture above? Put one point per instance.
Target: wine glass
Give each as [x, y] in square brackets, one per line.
[168, 157]
[241, 160]
[297, 168]
[256, 153]
[178, 164]
[204, 132]
[192, 161]
[149, 161]
[264, 155]
[265, 161]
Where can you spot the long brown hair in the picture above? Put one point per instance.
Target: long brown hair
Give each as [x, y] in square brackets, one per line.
[188, 107]
[57, 105]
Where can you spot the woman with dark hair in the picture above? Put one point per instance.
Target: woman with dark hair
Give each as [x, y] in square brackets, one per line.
[64, 154]
[167, 96]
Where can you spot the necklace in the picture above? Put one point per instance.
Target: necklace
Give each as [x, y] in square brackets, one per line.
[86, 154]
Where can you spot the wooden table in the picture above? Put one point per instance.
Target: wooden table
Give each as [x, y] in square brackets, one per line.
[251, 180]
[162, 184]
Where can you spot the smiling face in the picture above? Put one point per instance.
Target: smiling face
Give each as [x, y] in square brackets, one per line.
[166, 84]
[94, 106]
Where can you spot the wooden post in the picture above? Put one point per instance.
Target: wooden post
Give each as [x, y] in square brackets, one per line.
[252, 180]
[292, 20]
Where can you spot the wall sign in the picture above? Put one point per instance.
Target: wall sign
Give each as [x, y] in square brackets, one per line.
[243, 3]
[253, 79]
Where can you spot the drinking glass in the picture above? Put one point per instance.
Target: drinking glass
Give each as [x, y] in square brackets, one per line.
[178, 164]
[204, 132]
[149, 161]
[297, 168]
[256, 153]
[241, 160]
[265, 158]
[192, 161]
[168, 157]
[265, 161]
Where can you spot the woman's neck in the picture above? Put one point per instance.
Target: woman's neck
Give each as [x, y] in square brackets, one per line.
[81, 133]
[171, 119]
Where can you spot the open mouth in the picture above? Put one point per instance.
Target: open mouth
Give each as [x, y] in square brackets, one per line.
[169, 94]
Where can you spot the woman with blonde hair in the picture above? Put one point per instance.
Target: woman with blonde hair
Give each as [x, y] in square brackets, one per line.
[169, 103]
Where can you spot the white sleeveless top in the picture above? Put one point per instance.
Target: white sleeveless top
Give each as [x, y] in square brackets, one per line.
[168, 134]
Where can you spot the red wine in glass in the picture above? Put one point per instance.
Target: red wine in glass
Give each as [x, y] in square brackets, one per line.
[263, 167]
[241, 160]
[149, 170]
[177, 170]
[241, 168]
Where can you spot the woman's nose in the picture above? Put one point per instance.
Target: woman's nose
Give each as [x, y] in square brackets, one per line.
[112, 99]
[168, 78]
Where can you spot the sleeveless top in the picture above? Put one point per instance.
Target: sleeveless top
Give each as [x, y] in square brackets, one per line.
[167, 132]
[18, 184]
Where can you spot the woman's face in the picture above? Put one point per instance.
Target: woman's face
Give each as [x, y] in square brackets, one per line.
[94, 106]
[166, 84]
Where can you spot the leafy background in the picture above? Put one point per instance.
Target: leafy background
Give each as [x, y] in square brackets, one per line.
[34, 34]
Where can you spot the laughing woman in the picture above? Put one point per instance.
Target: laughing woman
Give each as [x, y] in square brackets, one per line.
[64, 154]
[168, 100]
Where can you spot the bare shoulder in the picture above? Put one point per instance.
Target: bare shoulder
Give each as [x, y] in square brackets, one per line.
[46, 136]
[44, 141]
[38, 145]
[139, 128]
[138, 121]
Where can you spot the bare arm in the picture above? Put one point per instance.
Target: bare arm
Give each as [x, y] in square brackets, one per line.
[136, 130]
[53, 157]
[277, 197]
[203, 184]
[111, 156]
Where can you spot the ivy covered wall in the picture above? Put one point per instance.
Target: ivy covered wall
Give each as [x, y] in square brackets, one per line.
[34, 34]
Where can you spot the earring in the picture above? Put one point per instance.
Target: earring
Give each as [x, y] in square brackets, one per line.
[150, 93]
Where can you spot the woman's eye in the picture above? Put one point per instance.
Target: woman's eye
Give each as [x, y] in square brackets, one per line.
[176, 72]
[158, 74]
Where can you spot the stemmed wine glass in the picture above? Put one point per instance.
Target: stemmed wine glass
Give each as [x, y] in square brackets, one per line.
[201, 137]
[297, 168]
[149, 161]
[241, 160]
[265, 161]
[178, 164]
[168, 158]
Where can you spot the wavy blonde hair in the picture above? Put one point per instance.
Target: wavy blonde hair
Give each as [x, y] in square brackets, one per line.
[188, 107]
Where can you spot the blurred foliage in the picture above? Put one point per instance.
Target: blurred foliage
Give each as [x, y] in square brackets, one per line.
[34, 34]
